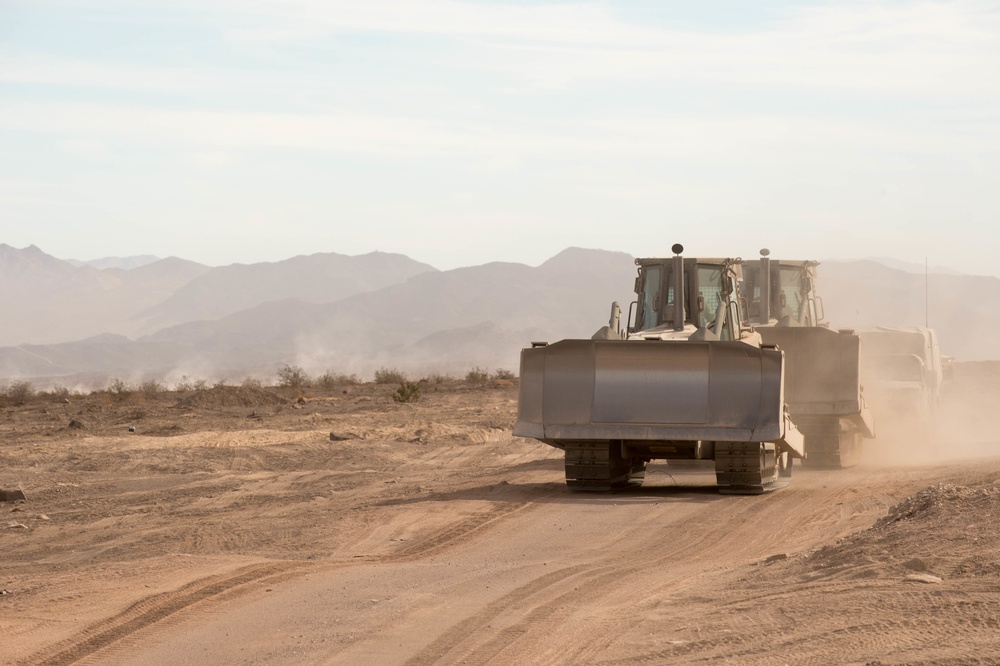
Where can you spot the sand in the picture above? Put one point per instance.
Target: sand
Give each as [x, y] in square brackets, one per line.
[262, 526]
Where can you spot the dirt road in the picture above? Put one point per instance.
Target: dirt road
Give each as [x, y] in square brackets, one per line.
[230, 528]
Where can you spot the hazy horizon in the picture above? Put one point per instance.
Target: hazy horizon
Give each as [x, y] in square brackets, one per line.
[134, 261]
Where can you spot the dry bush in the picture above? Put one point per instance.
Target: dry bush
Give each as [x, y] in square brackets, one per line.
[119, 389]
[477, 375]
[389, 376]
[407, 392]
[436, 378]
[150, 388]
[58, 393]
[329, 380]
[18, 393]
[505, 375]
[292, 376]
[251, 383]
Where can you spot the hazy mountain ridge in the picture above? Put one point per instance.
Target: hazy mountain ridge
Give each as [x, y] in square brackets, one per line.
[315, 278]
[49, 301]
[448, 321]
[125, 263]
[912, 266]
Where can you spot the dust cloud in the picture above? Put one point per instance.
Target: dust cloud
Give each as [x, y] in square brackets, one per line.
[961, 426]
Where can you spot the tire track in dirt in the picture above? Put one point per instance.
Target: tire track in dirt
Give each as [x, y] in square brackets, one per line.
[536, 617]
[455, 534]
[640, 573]
[115, 631]
[506, 645]
[881, 624]
[153, 609]
[461, 631]
[730, 641]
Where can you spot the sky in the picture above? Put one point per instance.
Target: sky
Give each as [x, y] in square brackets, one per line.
[461, 132]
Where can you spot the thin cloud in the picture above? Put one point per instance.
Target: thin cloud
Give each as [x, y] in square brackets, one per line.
[686, 136]
[921, 49]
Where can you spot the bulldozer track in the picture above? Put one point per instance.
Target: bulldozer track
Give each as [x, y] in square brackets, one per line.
[828, 445]
[117, 629]
[600, 467]
[745, 468]
[507, 629]
[454, 534]
[461, 632]
[151, 610]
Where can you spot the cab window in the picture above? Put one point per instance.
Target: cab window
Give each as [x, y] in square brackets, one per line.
[790, 286]
[709, 288]
[650, 296]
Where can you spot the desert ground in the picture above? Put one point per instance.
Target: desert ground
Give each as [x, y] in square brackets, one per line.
[249, 525]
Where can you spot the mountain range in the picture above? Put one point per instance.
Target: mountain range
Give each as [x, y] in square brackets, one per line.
[169, 317]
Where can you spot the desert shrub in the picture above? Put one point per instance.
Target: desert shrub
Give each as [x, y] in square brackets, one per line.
[477, 375]
[151, 387]
[407, 392]
[389, 376]
[251, 383]
[506, 375]
[200, 385]
[292, 376]
[119, 389]
[330, 379]
[19, 392]
[436, 378]
[59, 392]
[183, 384]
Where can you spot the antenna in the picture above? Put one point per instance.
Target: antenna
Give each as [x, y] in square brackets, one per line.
[926, 297]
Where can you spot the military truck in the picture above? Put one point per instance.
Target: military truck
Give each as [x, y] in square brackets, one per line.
[903, 369]
[685, 379]
[823, 386]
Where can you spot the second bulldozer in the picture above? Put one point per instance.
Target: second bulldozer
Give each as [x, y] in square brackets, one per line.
[822, 366]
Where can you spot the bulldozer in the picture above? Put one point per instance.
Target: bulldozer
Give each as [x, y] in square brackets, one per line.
[823, 386]
[686, 379]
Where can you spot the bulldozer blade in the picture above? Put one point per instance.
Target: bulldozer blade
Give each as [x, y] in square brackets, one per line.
[822, 373]
[579, 390]
[7, 495]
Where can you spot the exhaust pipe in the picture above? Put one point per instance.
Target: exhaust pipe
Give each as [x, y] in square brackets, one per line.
[764, 281]
[678, 287]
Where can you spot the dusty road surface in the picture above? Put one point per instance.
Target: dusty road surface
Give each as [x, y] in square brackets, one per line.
[244, 526]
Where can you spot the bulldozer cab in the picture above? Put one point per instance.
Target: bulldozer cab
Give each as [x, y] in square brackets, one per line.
[708, 296]
[789, 296]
